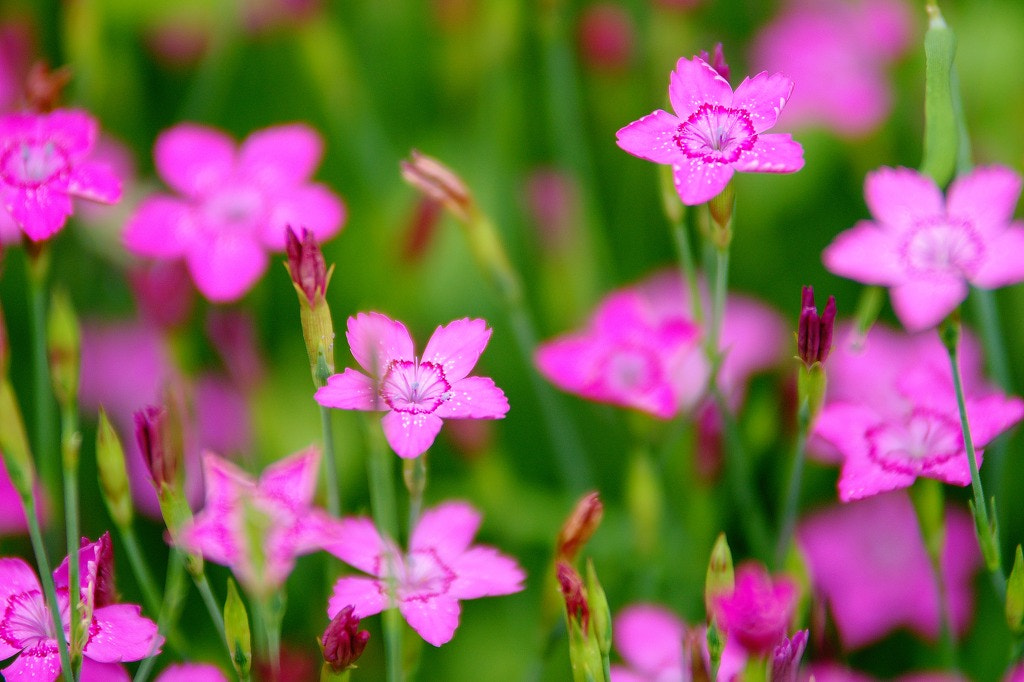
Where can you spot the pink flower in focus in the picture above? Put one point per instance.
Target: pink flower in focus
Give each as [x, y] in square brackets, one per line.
[44, 162]
[234, 205]
[117, 632]
[275, 512]
[838, 51]
[927, 248]
[758, 612]
[899, 420]
[875, 580]
[715, 131]
[192, 672]
[440, 569]
[417, 391]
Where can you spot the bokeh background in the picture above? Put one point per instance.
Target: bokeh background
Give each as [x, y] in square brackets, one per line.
[522, 99]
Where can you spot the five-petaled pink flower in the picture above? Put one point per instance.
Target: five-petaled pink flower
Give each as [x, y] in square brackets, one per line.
[117, 632]
[44, 162]
[258, 528]
[235, 206]
[927, 249]
[439, 570]
[418, 391]
[715, 131]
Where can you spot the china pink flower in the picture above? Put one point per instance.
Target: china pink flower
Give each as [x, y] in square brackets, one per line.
[192, 672]
[233, 205]
[275, 512]
[44, 162]
[417, 391]
[926, 248]
[440, 569]
[875, 582]
[758, 612]
[715, 132]
[838, 51]
[117, 632]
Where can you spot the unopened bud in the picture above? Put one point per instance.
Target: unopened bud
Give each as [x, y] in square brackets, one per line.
[236, 631]
[438, 182]
[14, 445]
[814, 333]
[44, 86]
[721, 578]
[63, 345]
[152, 436]
[310, 277]
[716, 60]
[306, 264]
[600, 616]
[1015, 595]
[786, 658]
[112, 473]
[343, 642]
[580, 525]
[575, 595]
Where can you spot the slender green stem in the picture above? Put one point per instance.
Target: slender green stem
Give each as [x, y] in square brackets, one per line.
[789, 509]
[271, 612]
[415, 474]
[718, 294]
[70, 442]
[46, 578]
[987, 315]
[203, 585]
[687, 269]
[45, 446]
[150, 594]
[330, 463]
[168, 610]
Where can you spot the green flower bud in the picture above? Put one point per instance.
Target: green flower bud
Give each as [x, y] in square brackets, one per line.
[112, 473]
[63, 344]
[236, 630]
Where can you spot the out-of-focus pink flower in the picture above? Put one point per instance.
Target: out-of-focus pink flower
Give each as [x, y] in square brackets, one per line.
[276, 512]
[15, 55]
[552, 198]
[233, 334]
[418, 391]
[838, 51]
[44, 162]
[834, 672]
[440, 569]
[650, 640]
[927, 248]
[234, 205]
[875, 582]
[606, 36]
[117, 632]
[119, 158]
[758, 612]
[892, 415]
[192, 672]
[642, 350]
[715, 132]
[163, 291]
[12, 515]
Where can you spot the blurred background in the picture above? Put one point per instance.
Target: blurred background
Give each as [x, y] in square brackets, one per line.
[522, 99]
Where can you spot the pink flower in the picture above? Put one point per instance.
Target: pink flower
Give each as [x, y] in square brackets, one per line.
[899, 419]
[758, 612]
[276, 512]
[642, 350]
[650, 640]
[928, 249]
[715, 132]
[838, 51]
[234, 205]
[440, 569]
[875, 582]
[192, 672]
[12, 514]
[117, 632]
[418, 392]
[44, 162]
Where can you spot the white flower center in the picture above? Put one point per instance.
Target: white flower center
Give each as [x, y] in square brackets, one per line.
[414, 387]
[33, 163]
[942, 246]
[716, 134]
[922, 440]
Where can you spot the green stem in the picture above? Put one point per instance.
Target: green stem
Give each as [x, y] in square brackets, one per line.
[718, 294]
[688, 270]
[330, 463]
[169, 609]
[271, 613]
[987, 315]
[203, 585]
[46, 578]
[150, 595]
[70, 442]
[793, 488]
[415, 474]
[45, 446]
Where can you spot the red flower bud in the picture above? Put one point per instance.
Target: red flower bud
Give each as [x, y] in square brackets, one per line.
[151, 435]
[343, 642]
[580, 525]
[306, 263]
[575, 595]
[814, 334]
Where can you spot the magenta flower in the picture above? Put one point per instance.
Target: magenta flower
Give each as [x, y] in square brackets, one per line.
[417, 391]
[192, 672]
[715, 132]
[276, 512]
[875, 582]
[758, 612]
[928, 249]
[234, 205]
[440, 569]
[891, 414]
[117, 632]
[44, 162]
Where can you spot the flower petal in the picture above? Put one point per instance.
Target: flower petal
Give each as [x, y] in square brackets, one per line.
[365, 594]
[697, 182]
[281, 155]
[314, 207]
[33, 667]
[360, 545]
[95, 181]
[435, 619]
[457, 346]
[448, 529]
[921, 304]
[93, 671]
[842, 426]
[649, 638]
[991, 415]
[376, 339]
[865, 253]
[897, 196]
[485, 572]
[651, 137]
[861, 477]
[41, 213]
[73, 130]
[192, 672]
[986, 196]
[693, 83]
[194, 159]
[121, 633]
[772, 153]
[763, 96]
[292, 480]
[410, 435]
[226, 266]
[474, 398]
[350, 390]
[16, 577]
[1002, 263]
[162, 226]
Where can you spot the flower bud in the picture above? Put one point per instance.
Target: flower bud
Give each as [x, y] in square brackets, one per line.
[814, 335]
[236, 631]
[580, 525]
[14, 447]
[310, 277]
[112, 473]
[601, 617]
[786, 658]
[306, 264]
[152, 437]
[694, 645]
[716, 60]
[1015, 595]
[720, 580]
[440, 183]
[63, 345]
[575, 595]
[43, 86]
[343, 642]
